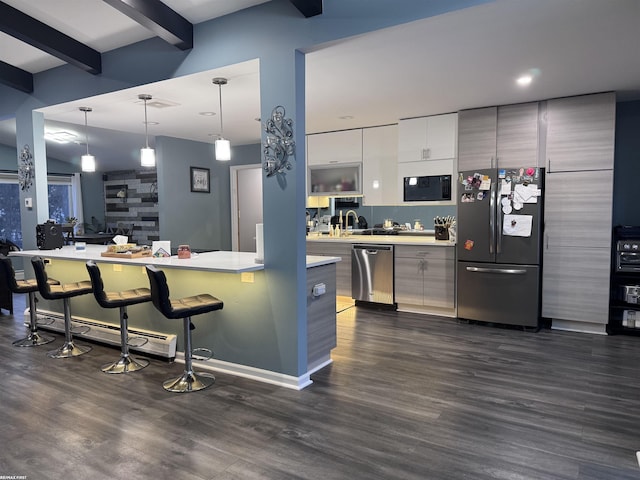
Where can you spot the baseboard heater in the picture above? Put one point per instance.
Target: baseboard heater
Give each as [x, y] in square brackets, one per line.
[159, 344]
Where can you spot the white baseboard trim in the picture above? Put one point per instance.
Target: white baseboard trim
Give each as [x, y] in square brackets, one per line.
[253, 373]
[580, 327]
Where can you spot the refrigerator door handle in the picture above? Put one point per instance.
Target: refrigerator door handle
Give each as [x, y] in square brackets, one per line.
[492, 218]
[508, 271]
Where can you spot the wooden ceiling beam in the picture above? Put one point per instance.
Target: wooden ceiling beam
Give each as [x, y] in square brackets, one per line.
[41, 36]
[309, 8]
[159, 18]
[15, 77]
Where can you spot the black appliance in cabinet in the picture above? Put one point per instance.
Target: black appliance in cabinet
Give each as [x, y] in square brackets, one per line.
[624, 311]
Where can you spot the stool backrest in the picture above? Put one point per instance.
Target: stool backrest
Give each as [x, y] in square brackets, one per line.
[97, 284]
[42, 278]
[7, 273]
[159, 290]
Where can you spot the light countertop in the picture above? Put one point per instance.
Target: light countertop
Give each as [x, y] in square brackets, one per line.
[221, 261]
[384, 240]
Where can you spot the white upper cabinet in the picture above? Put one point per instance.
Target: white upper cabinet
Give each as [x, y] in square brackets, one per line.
[427, 138]
[331, 148]
[379, 165]
[581, 133]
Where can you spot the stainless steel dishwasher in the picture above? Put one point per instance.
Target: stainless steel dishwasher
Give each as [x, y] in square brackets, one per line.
[372, 273]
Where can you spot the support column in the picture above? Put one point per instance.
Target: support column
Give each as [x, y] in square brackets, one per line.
[282, 83]
[30, 133]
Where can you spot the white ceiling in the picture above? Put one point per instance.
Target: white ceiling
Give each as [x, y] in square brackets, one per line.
[464, 59]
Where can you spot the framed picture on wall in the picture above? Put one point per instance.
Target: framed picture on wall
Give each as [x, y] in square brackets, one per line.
[200, 180]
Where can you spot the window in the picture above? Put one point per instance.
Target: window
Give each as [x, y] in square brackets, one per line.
[60, 204]
[60, 199]
[10, 228]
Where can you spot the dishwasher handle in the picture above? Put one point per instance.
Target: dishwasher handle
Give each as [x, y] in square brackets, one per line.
[373, 249]
[508, 271]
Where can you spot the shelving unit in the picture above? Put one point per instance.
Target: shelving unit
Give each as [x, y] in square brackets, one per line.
[624, 306]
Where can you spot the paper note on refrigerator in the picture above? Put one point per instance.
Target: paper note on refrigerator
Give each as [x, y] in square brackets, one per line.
[505, 187]
[517, 225]
[527, 193]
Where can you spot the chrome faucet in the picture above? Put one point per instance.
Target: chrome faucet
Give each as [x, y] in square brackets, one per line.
[355, 219]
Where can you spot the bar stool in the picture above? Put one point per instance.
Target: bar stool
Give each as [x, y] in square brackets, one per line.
[64, 292]
[29, 287]
[119, 300]
[183, 308]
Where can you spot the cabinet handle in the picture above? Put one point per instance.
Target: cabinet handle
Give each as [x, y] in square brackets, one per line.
[428, 153]
[549, 166]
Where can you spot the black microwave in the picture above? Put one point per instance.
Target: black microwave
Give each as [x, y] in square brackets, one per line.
[427, 189]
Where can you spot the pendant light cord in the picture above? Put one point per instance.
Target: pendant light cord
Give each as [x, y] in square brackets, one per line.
[220, 98]
[146, 124]
[86, 131]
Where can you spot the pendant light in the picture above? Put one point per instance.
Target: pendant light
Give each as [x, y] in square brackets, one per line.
[223, 147]
[88, 160]
[147, 155]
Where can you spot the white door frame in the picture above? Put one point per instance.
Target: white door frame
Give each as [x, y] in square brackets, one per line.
[233, 178]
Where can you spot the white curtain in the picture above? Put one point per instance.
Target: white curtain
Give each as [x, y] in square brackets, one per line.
[76, 199]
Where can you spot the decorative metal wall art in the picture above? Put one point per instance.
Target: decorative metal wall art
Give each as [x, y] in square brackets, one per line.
[26, 171]
[279, 144]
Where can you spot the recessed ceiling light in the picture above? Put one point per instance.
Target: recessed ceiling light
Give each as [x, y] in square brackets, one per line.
[60, 137]
[527, 77]
[207, 114]
[524, 80]
[346, 117]
[152, 123]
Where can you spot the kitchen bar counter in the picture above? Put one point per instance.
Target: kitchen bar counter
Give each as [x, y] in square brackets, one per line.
[247, 335]
[219, 261]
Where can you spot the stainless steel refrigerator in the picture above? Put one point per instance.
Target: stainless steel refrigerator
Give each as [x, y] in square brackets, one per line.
[499, 245]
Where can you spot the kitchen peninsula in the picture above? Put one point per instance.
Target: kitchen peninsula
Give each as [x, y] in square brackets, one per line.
[240, 334]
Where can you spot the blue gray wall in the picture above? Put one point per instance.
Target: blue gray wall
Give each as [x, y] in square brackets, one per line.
[627, 164]
[201, 220]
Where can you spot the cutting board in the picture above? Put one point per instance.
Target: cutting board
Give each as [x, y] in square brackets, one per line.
[140, 254]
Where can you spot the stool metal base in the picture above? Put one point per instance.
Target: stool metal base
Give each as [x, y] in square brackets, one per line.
[69, 349]
[33, 340]
[125, 364]
[189, 382]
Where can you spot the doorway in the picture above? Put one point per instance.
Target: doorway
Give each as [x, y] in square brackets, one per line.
[246, 206]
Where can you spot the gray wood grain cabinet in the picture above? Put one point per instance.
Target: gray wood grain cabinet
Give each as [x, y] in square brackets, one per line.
[517, 137]
[490, 137]
[343, 268]
[578, 212]
[575, 289]
[425, 276]
[477, 130]
[578, 209]
[580, 132]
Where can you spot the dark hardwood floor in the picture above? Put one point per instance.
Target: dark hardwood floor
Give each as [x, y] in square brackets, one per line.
[407, 397]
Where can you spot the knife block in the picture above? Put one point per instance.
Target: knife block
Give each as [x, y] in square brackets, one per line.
[442, 232]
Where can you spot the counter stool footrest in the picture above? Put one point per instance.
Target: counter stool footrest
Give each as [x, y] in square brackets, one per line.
[80, 329]
[201, 354]
[137, 342]
[49, 321]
